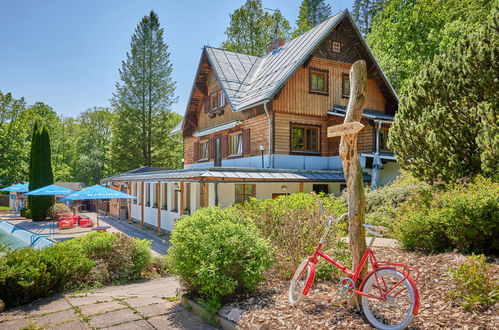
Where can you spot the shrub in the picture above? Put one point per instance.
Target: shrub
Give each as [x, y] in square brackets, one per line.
[93, 259]
[216, 253]
[294, 226]
[474, 284]
[464, 217]
[57, 208]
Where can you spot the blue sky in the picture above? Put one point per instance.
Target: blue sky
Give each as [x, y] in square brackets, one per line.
[67, 53]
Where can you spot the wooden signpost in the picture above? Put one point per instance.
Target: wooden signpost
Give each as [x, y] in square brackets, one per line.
[351, 164]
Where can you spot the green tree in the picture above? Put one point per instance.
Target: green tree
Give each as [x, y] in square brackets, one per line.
[407, 34]
[41, 174]
[251, 29]
[13, 143]
[447, 126]
[312, 13]
[93, 145]
[144, 94]
[364, 12]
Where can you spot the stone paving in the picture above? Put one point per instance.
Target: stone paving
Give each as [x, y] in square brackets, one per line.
[147, 304]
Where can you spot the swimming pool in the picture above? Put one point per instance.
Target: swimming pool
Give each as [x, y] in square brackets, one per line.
[15, 237]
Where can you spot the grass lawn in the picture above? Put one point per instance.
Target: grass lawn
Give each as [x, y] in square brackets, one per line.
[4, 208]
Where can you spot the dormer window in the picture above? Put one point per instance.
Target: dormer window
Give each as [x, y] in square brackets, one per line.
[221, 98]
[318, 81]
[214, 100]
[336, 47]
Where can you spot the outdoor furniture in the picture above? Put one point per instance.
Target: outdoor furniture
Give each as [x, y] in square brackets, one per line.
[66, 223]
[103, 228]
[62, 215]
[86, 222]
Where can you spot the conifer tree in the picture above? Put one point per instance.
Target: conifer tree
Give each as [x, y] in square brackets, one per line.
[144, 94]
[312, 13]
[251, 29]
[41, 174]
[364, 11]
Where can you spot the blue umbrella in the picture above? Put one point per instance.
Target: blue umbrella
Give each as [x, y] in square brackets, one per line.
[18, 187]
[51, 190]
[96, 192]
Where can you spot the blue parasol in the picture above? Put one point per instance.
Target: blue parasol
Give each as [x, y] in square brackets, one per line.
[52, 190]
[18, 187]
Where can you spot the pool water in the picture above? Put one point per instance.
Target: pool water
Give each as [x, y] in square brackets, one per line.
[10, 241]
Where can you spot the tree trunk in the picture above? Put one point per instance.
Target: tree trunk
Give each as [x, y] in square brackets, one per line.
[351, 166]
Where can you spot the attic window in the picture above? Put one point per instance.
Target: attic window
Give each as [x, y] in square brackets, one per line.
[336, 46]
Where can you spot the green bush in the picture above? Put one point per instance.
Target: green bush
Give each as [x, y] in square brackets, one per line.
[93, 259]
[57, 208]
[474, 284]
[464, 217]
[216, 253]
[294, 226]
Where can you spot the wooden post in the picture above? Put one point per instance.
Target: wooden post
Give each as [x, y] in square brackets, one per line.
[301, 187]
[181, 198]
[142, 205]
[129, 202]
[158, 203]
[351, 164]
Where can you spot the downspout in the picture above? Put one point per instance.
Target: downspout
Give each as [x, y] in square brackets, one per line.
[270, 144]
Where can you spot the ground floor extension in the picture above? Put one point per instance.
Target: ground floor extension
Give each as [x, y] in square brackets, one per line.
[166, 195]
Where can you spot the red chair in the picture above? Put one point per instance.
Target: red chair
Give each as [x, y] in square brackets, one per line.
[86, 222]
[64, 223]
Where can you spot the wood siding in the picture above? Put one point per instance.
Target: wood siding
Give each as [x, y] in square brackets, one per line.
[295, 97]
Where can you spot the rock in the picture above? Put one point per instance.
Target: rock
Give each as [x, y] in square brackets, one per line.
[2, 306]
[231, 313]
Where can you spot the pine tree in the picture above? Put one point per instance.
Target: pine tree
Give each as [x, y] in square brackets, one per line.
[312, 13]
[251, 29]
[447, 126]
[364, 12]
[41, 174]
[145, 93]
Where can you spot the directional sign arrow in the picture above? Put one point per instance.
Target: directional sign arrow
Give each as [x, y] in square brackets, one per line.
[344, 129]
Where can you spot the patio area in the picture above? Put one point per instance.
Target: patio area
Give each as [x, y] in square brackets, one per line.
[159, 244]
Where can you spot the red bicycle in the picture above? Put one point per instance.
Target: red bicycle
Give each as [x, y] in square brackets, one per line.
[389, 296]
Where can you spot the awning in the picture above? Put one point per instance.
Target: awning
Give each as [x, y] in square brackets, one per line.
[224, 174]
[382, 156]
[340, 111]
[218, 128]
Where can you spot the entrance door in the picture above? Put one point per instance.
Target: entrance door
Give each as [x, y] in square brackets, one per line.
[218, 151]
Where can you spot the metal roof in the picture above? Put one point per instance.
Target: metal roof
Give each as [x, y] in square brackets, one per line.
[218, 128]
[340, 110]
[223, 174]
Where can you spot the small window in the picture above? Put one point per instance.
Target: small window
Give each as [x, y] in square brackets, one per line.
[140, 192]
[203, 150]
[383, 140]
[175, 192]
[320, 188]
[244, 192]
[236, 144]
[221, 99]
[345, 85]
[304, 138]
[318, 81]
[154, 201]
[164, 196]
[135, 192]
[214, 101]
[336, 46]
[148, 194]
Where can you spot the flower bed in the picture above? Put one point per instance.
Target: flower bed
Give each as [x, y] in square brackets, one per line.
[268, 307]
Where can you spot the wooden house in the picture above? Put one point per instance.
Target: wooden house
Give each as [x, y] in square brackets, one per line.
[257, 126]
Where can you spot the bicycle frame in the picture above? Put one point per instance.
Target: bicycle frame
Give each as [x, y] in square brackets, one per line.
[375, 265]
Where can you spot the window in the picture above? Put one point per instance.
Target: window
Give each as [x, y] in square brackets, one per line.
[140, 193]
[148, 194]
[203, 150]
[336, 46]
[304, 138]
[318, 81]
[236, 144]
[175, 192]
[135, 192]
[345, 85]
[154, 201]
[214, 101]
[383, 140]
[164, 196]
[221, 99]
[243, 192]
[203, 194]
[320, 188]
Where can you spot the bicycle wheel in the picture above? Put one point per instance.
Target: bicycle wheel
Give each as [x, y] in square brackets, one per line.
[396, 311]
[298, 283]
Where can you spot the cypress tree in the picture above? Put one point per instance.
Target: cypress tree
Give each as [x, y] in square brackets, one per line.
[41, 174]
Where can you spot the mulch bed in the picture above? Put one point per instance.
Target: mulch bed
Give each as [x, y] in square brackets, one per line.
[268, 307]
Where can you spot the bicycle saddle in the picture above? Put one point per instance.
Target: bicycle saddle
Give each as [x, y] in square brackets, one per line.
[375, 230]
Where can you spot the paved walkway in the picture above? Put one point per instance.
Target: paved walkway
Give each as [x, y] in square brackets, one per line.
[146, 305]
[159, 243]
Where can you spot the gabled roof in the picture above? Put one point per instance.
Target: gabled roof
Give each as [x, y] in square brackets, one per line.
[249, 80]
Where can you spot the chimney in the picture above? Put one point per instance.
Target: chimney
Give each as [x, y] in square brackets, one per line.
[278, 42]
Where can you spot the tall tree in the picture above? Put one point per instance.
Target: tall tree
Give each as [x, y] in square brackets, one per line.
[364, 12]
[145, 93]
[407, 34]
[312, 13]
[447, 126]
[41, 174]
[93, 145]
[251, 29]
